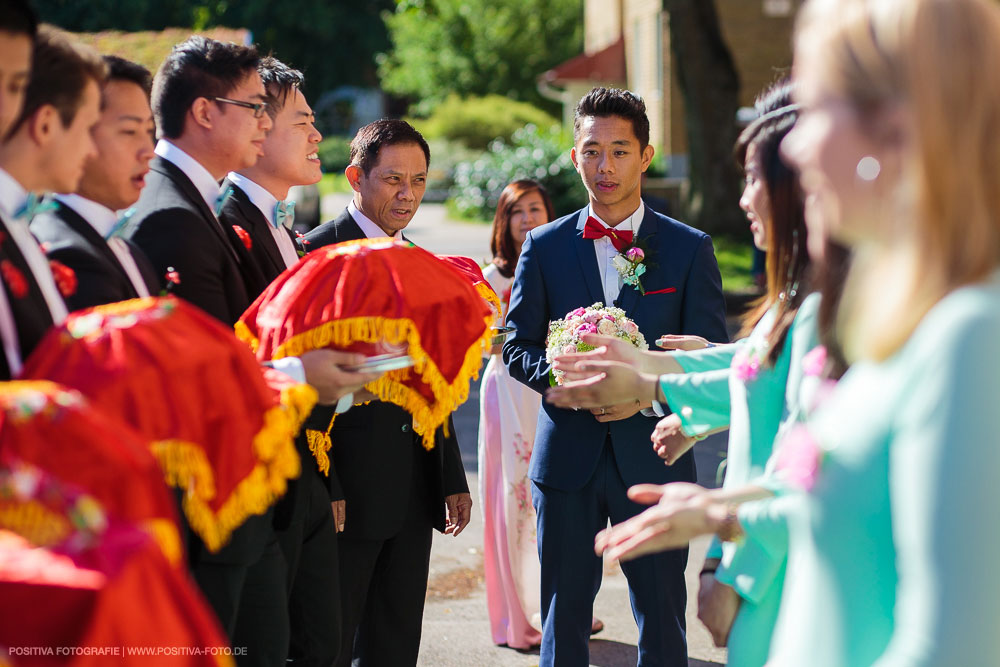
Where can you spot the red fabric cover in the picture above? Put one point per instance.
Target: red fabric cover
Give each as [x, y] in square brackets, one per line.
[469, 268]
[119, 593]
[192, 390]
[58, 431]
[375, 296]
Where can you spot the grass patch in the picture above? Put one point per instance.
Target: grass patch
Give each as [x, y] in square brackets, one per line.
[334, 183]
[735, 262]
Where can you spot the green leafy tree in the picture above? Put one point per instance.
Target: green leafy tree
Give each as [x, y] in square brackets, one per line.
[333, 41]
[541, 154]
[441, 47]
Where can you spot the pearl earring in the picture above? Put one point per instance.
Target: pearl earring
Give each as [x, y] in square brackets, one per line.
[868, 168]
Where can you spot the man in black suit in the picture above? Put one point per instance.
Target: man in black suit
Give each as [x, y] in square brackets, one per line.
[209, 104]
[47, 141]
[78, 233]
[395, 492]
[307, 533]
[210, 108]
[258, 203]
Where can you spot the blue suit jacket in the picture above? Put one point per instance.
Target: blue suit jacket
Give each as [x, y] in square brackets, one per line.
[557, 272]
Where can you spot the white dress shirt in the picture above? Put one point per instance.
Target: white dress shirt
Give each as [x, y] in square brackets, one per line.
[370, 229]
[266, 203]
[611, 280]
[203, 181]
[103, 220]
[12, 198]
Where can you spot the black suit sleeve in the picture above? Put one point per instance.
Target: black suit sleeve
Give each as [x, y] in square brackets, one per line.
[95, 284]
[178, 238]
[453, 477]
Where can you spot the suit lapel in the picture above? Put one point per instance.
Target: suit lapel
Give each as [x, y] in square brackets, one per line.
[259, 232]
[628, 298]
[76, 222]
[184, 184]
[588, 261]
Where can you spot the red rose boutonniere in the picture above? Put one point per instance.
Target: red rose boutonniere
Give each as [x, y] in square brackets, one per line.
[65, 278]
[243, 236]
[173, 278]
[302, 242]
[14, 278]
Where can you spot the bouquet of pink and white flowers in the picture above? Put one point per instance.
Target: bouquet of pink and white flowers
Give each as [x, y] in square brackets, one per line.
[565, 335]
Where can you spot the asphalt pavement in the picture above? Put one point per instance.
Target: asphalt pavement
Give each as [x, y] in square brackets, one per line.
[456, 625]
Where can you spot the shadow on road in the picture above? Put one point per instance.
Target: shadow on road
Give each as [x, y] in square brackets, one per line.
[604, 653]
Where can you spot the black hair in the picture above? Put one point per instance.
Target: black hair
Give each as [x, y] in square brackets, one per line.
[279, 81]
[18, 18]
[604, 102]
[120, 69]
[197, 67]
[61, 68]
[373, 137]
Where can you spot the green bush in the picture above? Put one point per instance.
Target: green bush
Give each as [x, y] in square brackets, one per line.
[335, 154]
[476, 121]
[531, 153]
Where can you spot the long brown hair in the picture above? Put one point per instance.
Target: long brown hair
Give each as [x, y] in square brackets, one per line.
[505, 252]
[787, 255]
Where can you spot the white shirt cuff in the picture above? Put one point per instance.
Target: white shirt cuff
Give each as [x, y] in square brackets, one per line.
[290, 366]
[655, 411]
[344, 404]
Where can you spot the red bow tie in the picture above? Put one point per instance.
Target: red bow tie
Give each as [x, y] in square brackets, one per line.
[595, 230]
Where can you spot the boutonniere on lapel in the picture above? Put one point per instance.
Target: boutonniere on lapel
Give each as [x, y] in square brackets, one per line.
[16, 282]
[65, 278]
[302, 244]
[243, 236]
[632, 262]
[173, 279]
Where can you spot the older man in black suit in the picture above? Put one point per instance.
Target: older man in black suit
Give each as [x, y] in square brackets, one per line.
[78, 233]
[395, 492]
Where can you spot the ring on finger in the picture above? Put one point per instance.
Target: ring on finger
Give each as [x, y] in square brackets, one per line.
[604, 411]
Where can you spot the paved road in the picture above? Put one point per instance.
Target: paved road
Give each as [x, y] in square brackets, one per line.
[456, 627]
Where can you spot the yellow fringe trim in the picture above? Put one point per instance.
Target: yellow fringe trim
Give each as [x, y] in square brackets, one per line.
[164, 532]
[185, 466]
[298, 401]
[242, 332]
[320, 446]
[426, 419]
[490, 297]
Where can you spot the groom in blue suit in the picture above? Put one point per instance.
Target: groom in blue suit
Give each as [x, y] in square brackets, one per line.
[584, 462]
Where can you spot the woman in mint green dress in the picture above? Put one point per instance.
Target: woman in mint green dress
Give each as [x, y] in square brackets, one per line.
[892, 541]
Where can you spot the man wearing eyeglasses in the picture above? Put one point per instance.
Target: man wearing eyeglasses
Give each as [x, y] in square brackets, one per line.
[209, 103]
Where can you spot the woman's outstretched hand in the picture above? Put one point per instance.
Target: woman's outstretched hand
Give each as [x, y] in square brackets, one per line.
[600, 384]
[682, 512]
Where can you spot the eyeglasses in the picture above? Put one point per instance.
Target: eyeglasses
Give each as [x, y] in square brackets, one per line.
[258, 108]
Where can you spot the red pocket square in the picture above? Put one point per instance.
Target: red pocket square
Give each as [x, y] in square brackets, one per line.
[665, 290]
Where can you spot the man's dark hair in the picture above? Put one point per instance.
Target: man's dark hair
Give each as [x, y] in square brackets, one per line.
[197, 67]
[17, 18]
[373, 137]
[605, 102]
[280, 81]
[120, 69]
[60, 71]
